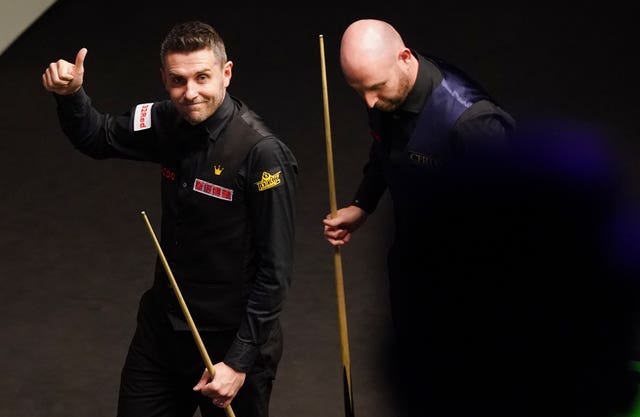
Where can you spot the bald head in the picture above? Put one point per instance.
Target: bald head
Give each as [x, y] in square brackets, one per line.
[373, 56]
[368, 42]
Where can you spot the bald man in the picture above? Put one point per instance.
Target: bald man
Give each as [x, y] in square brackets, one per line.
[425, 117]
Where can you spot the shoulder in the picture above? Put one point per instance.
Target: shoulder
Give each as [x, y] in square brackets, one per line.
[268, 147]
[244, 116]
[157, 107]
[274, 149]
[486, 110]
[148, 115]
[485, 122]
[255, 122]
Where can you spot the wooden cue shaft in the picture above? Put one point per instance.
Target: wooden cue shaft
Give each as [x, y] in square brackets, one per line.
[183, 306]
[337, 259]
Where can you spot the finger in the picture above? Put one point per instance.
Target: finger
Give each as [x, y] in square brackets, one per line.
[64, 74]
[199, 385]
[82, 53]
[50, 84]
[58, 75]
[331, 222]
[52, 73]
[204, 380]
[331, 233]
[45, 81]
[335, 233]
[335, 242]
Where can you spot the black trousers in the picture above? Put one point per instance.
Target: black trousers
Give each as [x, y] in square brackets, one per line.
[163, 365]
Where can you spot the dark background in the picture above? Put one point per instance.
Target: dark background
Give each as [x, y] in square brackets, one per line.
[75, 254]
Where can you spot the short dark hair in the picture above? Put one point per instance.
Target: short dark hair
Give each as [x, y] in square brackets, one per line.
[193, 36]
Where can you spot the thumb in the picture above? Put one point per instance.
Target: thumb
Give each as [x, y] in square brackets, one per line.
[204, 380]
[332, 221]
[82, 53]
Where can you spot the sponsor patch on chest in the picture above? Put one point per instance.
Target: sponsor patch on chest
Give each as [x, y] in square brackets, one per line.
[212, 190]
[142, 117]
[424, 160]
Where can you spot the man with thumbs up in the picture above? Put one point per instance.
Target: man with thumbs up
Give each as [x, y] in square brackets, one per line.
[228, 197]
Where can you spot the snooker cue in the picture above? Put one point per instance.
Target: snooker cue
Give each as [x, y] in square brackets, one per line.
[337, 259]
[185, 310]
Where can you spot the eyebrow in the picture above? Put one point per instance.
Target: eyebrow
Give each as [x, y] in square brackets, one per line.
[199, 72]
[375, 86]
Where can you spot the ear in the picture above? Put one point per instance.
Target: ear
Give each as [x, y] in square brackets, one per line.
[226, 73]
[405, 55]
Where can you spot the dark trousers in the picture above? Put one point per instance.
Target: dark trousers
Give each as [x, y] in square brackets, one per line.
[163, 365]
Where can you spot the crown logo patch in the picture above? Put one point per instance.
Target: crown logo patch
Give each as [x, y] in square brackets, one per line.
[217, 169]
[269, 180]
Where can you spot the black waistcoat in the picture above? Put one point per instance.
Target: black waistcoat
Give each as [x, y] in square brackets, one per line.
[414, 175]
[206, 230]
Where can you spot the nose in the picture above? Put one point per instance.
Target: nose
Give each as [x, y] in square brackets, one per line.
[191, 91]
[371, 99]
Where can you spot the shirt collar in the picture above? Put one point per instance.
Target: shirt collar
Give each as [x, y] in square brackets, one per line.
[428, 77]
[211, 127]
[217, 120]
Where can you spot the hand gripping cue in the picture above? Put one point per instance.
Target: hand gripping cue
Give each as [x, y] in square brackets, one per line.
[185, 310]
[337, 260]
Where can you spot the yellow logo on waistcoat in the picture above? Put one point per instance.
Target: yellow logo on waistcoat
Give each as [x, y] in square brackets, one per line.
[269, 181]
